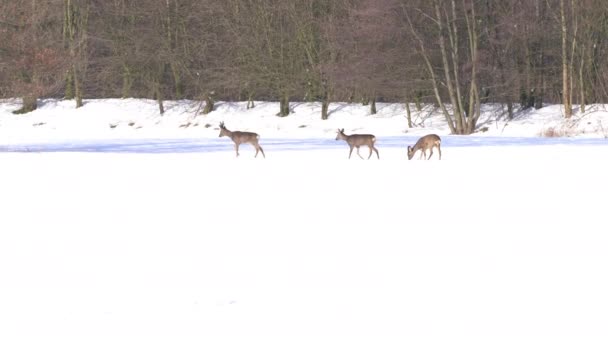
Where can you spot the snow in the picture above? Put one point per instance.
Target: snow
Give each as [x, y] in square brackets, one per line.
[139, 118]
[159, 233]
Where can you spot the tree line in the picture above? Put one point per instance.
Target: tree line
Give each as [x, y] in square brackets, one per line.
[456, 54]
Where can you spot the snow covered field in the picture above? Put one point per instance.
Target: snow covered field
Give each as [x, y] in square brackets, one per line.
[159, 233]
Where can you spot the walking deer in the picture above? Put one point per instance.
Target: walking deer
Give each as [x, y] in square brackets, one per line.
[239, 138]
[358, 140]
[427, 142]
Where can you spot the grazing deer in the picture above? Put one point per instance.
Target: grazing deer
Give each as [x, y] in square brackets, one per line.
[358, 140]
[427, 142]
[242, 138]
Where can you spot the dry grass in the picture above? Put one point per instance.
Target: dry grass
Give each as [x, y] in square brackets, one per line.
[568, 128]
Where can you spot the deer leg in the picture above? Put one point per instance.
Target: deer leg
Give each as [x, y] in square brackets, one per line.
[430, 155]
[351, 152]
[375, 149]
[359, 153]
[258, 149]
[370, 151]
[236, 146]
[439, 149]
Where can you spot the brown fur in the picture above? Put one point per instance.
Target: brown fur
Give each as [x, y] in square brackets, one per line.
[239, 138]
[358, 140]
[427, 142]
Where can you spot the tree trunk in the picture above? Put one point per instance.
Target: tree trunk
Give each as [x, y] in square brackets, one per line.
[573, 50]
[372, 108]
[418, 101]
[539, 85]
[75, 21]
[474, 108]
[77, 89]
[29, 104]
[325, 101]
[209, 103]
[325, 108]
[581, 81]
[474, 98]
[69, 85]
[459, 115]
[284, 106]
[456, 109]
[431, 71]
[250, 102]
[527, 69]
[565, 73]
[408, 113]
[177, 82]
[127, 81]
[159, 98]
[538, 99]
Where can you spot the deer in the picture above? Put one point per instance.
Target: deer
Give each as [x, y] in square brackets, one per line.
[358, 140]
[427, 142]
[239, 138]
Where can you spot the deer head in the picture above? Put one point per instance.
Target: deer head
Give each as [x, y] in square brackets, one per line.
[223, 130]
[341, 135]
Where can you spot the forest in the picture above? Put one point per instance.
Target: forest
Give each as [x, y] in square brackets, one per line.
[456, 54]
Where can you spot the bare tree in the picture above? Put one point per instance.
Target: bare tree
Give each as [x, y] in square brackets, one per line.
[269, 51]
[457, 53]
[370, 52]
[445, 17]
[34, 55]
[75, 39]
[566, 75]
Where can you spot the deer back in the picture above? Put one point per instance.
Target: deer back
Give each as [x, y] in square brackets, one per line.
[356, 139]
[238, 137]
[361, 139]
[424, 143]
[244, 137]
[427, 141]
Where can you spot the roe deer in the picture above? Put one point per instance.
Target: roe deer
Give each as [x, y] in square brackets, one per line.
[427, 142]
[242, 138]
[358, 140]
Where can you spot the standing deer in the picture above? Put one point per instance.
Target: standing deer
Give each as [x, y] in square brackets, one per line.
[427, 142]
[358, 140]
[242, 138]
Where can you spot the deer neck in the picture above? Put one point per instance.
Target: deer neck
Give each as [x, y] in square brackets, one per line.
[228, 133]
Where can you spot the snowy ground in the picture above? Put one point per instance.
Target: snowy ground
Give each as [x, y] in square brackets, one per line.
[139, 119]
[161, 234]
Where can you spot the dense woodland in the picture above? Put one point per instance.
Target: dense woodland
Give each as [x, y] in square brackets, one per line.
[456, 54]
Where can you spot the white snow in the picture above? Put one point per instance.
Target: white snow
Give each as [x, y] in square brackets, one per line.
[156, 232]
